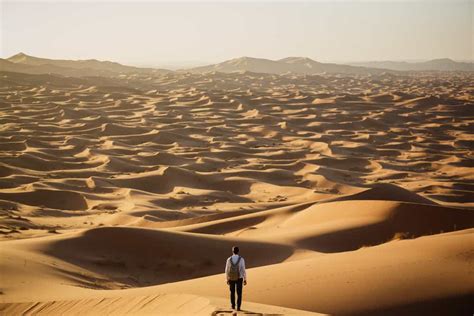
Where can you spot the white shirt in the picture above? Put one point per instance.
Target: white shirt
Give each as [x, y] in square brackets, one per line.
[234, 259]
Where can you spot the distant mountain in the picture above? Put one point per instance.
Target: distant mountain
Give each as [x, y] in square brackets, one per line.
[6, 65]
[443, 64]
[297, 65]
[75, 68]
[258, 65]
[309, 66]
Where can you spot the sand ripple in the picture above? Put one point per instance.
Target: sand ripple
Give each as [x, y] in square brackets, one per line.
[222, 142]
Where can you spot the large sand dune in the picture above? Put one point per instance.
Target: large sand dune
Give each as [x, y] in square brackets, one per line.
[346, 194]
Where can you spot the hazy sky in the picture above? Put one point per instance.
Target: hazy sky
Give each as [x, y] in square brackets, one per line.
[167, 33]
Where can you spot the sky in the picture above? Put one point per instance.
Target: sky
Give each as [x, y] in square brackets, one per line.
[178, 33]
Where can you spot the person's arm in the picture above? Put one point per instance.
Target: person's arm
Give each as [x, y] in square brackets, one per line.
[242, 270]
[226, 271]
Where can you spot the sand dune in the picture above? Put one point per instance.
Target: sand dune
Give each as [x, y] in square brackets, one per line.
[397, 277]
[347, 194]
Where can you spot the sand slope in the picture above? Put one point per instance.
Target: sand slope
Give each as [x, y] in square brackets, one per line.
[163, 304]
[396, 278]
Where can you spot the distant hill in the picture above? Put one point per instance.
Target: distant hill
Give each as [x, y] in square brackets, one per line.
[6, 65]
[297, 65]
[443, 64]
[75, 68]
[258, 65]
[307, 65]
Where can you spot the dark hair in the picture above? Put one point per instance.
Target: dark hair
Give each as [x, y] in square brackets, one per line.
[235, 249]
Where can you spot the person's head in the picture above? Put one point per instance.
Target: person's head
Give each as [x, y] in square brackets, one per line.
[235, 250]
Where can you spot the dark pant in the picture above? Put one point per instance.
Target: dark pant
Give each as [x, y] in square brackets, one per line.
[232, 286]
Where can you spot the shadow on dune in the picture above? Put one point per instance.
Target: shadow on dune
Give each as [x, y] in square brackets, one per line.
[455, 305]
[405, 221]
[143, 257]
[224, 312]
[387, 192]
[171, 177]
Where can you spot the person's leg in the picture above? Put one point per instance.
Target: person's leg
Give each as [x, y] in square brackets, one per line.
[232, 293]
[239, 292]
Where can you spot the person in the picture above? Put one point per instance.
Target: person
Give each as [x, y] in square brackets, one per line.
[236, 276]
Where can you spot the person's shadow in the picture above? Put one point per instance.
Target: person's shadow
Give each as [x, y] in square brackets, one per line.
[226, 312]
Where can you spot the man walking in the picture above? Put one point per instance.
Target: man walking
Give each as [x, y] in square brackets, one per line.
[235, 275]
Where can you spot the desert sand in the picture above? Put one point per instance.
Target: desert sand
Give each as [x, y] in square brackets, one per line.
[347, 194]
